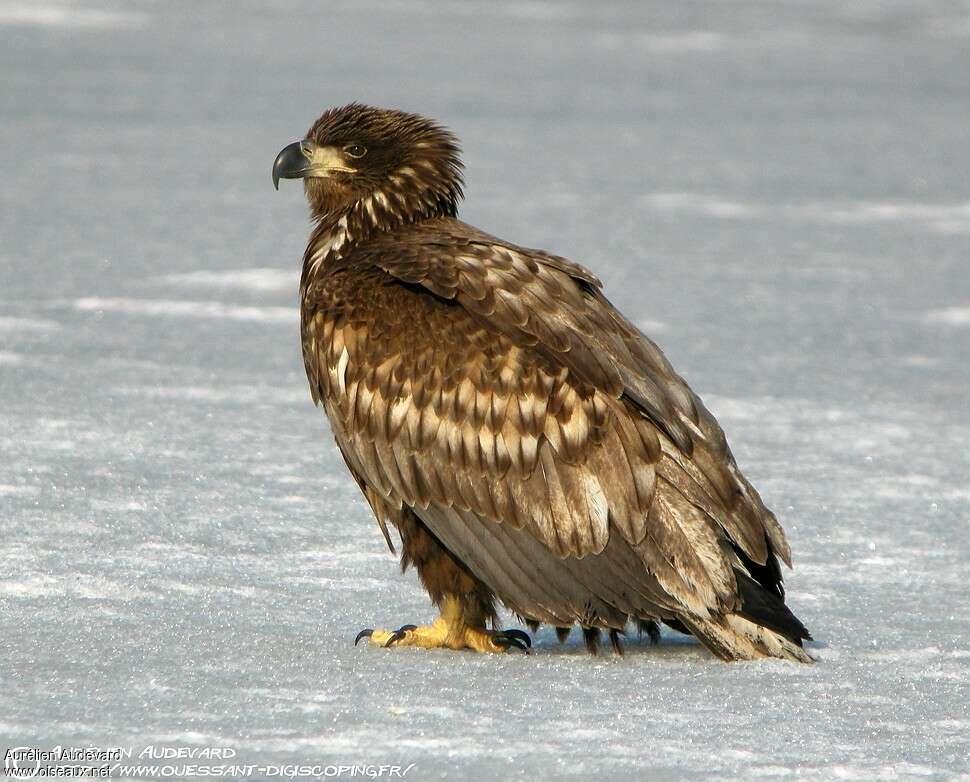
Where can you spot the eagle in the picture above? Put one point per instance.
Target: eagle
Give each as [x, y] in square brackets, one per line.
[530, 446]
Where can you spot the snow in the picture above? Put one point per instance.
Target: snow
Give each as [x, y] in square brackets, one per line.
[778, 195]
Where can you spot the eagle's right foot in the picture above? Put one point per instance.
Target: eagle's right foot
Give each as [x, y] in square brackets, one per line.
[452, 630]
[440, 635]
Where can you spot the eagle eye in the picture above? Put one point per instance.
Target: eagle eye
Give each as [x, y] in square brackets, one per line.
[355, 150]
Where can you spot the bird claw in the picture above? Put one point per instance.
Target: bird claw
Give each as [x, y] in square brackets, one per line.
[520, 634]
[516, 638]
[396, 636]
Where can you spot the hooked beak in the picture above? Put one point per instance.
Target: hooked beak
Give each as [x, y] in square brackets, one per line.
[293, 162]
[303, 159]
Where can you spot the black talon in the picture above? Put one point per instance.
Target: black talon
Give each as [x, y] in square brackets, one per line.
[398, 634]
[523, 637]
[516, 638]
[506, 641]
[366, 633]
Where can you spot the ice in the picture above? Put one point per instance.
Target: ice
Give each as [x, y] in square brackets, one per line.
[950, 316]
[27, 324]
[247, 279]
[944, 218]
[148, 308]
[776, 193]
[63, 16]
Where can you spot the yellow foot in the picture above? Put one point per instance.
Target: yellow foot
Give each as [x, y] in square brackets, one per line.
[442, 635]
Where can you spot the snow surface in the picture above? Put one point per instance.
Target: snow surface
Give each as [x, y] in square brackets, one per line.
[778, 191]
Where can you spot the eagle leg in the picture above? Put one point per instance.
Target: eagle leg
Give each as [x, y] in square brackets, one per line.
[456, 628]
[466, 604]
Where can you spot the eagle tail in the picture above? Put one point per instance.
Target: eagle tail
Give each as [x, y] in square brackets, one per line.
[763, 626]
[733, 637]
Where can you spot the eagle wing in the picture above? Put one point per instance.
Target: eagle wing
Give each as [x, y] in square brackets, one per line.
[498, 394]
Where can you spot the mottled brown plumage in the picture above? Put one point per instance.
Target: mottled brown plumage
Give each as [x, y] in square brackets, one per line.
[523, 437]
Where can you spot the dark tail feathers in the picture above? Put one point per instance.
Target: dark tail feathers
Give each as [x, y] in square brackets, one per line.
[768, 610]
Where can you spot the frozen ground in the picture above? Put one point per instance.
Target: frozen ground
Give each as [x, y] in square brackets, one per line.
[778, 192]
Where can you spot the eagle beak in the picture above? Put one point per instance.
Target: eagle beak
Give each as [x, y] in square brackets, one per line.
[293, 161]
[303, 159]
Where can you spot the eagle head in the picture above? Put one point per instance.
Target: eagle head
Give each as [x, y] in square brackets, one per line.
[389, 165]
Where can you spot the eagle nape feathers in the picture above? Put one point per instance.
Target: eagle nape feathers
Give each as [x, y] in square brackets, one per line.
[527, 443]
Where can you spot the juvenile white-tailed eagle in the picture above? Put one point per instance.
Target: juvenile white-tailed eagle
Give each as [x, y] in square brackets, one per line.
[527, 442]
